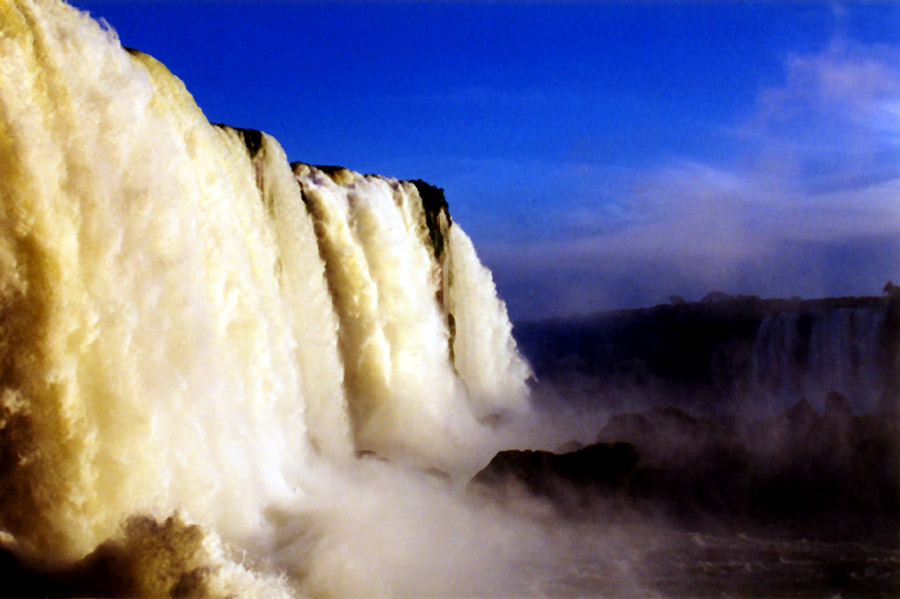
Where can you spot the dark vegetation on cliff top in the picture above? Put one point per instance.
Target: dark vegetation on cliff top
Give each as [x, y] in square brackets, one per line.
[697, 354]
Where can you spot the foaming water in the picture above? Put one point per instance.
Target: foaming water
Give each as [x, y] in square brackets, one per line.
[224, 375]
[191, 327]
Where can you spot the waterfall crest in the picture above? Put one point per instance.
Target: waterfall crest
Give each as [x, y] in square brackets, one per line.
[190, 325]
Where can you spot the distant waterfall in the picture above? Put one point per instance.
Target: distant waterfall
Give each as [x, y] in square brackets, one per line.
[809, 353]
[187, 324]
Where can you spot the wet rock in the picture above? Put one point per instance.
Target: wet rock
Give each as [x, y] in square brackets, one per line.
[801, 417]
[715, 296]
[666, 436]
[795, 471]
[795, 435]
[30, 580]
[434, 204]
[569, 446]
[569, 480]
[837, 406]
[149, 559]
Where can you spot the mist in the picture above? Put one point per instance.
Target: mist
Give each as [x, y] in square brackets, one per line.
[225, 374]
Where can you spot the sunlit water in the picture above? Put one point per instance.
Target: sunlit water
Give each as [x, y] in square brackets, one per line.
[189, 325]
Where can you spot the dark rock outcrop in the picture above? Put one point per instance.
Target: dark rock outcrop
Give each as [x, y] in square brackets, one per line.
[252, 138]
[570, 446]
[570, 480]
[149, 559]
[830, 475]
[797, 469]
[434, 203]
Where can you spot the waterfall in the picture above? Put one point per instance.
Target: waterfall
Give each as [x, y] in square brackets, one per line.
[409, 329]
[800, 354]
[189, 325]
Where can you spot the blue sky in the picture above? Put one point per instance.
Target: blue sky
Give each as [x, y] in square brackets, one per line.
[601, 155]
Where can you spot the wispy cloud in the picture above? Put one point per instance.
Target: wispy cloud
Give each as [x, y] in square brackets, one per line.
[836, 112]
[846, 81]
[819, 166]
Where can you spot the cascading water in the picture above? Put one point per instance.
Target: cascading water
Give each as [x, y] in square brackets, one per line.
[389, 282]
[808, 354]
[191, 327]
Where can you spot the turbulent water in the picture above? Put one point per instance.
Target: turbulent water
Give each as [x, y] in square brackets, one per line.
[190, 327]
[226, 375]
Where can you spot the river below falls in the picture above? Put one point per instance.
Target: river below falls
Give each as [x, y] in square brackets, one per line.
[651, 561]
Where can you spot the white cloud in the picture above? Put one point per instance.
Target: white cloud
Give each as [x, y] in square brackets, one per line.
[844, 76]
[842, 100]
[820, 165]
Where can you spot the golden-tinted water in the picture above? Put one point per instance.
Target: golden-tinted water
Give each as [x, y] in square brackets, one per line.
[191, 328]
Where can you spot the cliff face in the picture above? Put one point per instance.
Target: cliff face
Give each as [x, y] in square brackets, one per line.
[769, 353]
